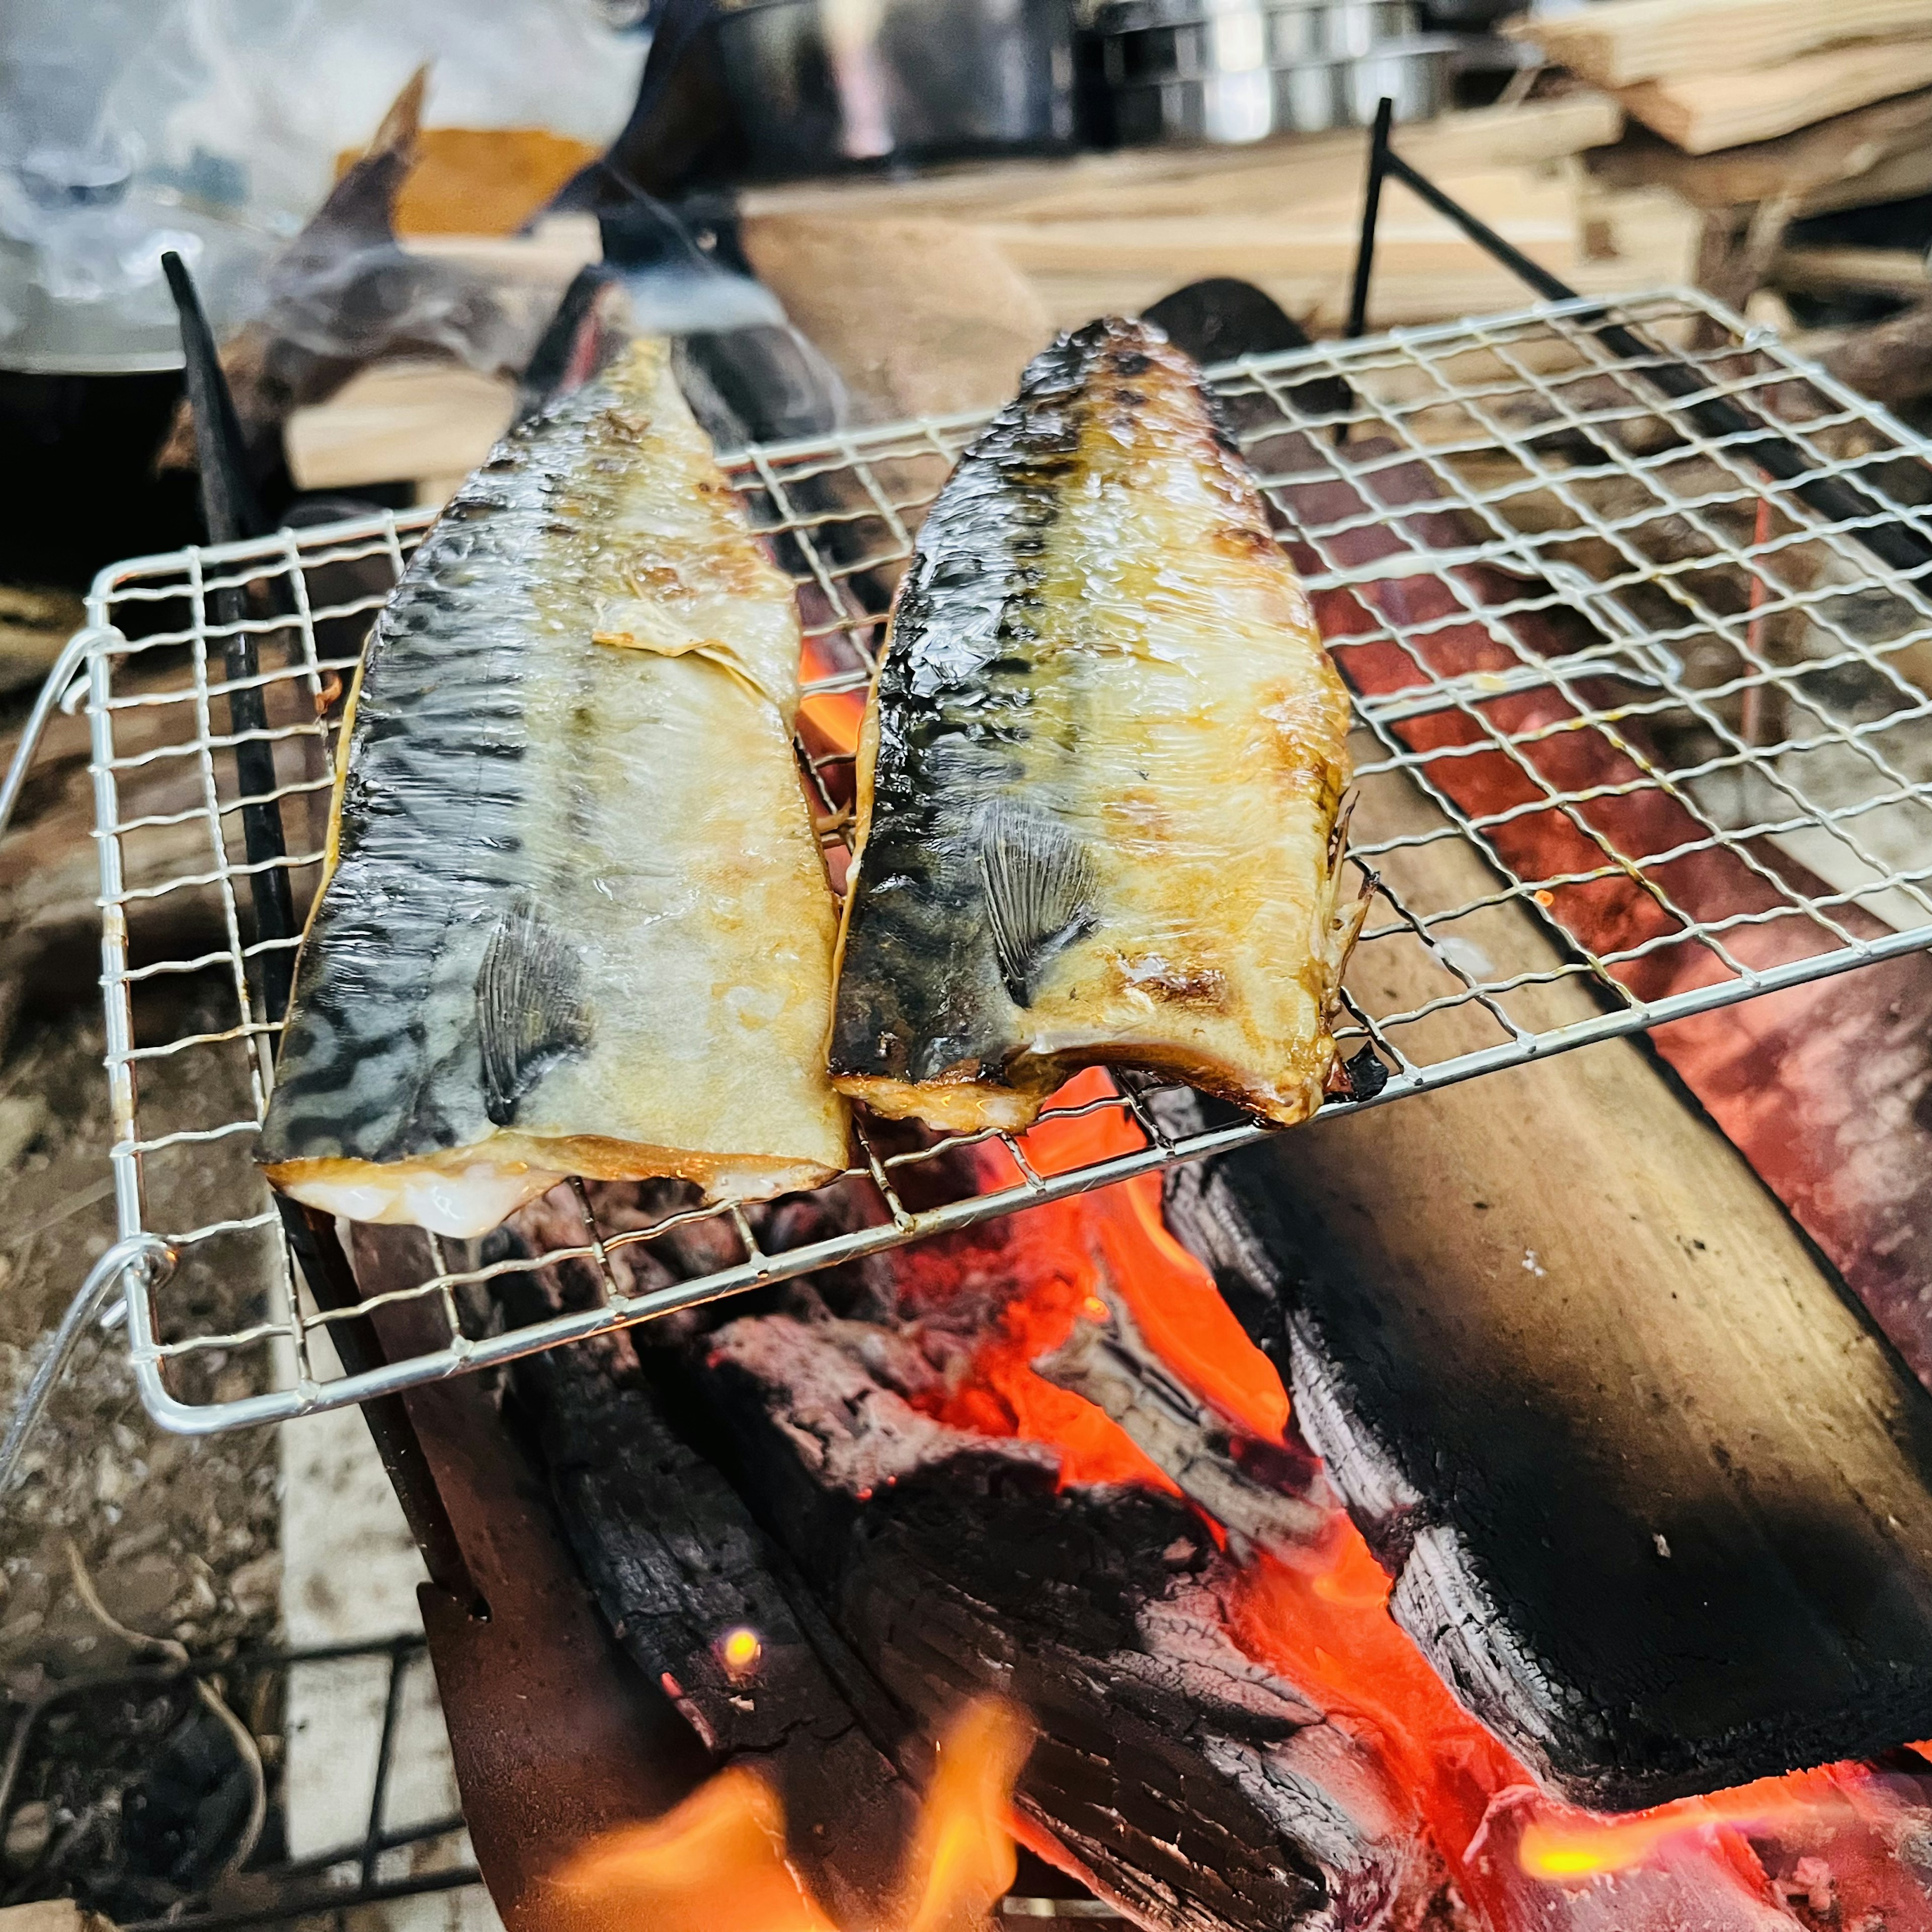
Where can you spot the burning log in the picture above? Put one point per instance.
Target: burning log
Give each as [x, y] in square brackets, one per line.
[1197, 1790]
[1664, 1521]
[1211, 1724]
[1277, 1499]
[1190, 1786]
[711, 1609]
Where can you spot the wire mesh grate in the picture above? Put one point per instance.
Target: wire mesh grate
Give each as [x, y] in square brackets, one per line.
[1642, 730]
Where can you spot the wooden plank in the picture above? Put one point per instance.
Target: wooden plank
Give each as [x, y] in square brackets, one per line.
[1303, 254]
[1896, 177]
[51, 1914]
[398, 421]
[1618, 42]
[1659, 1501]
[1538, 212]
[1487, 140]
[1263, 177]
[920, 317]
[1829, 271]
[1877, 153]
[486, 180]
[547, 256]
[1703, 113]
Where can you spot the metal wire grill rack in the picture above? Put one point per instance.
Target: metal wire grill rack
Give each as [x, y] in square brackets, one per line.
[1642, 732]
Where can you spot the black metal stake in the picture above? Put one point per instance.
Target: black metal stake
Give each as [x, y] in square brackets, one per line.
[232, 512]
[1896, 544]
[1372, 208]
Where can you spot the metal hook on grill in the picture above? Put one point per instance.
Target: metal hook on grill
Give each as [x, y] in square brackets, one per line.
[134, 1264]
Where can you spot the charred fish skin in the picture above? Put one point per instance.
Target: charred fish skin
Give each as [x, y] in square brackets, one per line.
[1100, 771]
[576, 919]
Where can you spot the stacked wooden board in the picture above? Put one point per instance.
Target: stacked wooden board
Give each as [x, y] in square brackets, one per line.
[1708, 74]
[938, 287]
[1763, 112]
[1115, 232]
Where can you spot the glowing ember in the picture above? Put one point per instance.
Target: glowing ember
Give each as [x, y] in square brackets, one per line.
[829, 720]
[718, 1859]
[1065, 1254]
[739, 1650]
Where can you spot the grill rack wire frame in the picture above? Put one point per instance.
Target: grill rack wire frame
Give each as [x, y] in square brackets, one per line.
[938, 440]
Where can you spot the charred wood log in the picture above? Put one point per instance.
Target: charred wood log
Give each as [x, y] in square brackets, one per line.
[713, 1612]
[1664, 1524]
[1189, 1785]
[893, 1567]
[1274, 1498]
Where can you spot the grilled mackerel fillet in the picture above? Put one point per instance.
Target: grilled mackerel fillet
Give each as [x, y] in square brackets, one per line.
[576, 919]
[1099, 774]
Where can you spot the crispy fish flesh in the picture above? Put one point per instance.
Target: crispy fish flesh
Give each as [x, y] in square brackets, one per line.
[576, 919]
[1099, 775]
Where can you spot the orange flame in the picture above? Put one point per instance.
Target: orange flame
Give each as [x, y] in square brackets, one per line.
[718, 1859]
[963, 1861]
[723, 1846]
[833, 717]
[1062, 1255]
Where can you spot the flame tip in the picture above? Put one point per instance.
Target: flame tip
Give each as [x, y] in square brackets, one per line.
[720, 1856]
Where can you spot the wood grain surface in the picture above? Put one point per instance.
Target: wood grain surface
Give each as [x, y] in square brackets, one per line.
[1703, 112]
[1620, 41]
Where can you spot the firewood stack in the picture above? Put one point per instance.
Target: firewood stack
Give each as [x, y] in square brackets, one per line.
[1803, 133]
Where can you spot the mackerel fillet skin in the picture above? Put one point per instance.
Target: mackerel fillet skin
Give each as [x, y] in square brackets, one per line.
[575, 918]
[1099, 775]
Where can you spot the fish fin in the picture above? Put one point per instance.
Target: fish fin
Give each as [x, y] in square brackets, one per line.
[1039, 890]
[529, 1007]
[1337, 927]
[1338, 834]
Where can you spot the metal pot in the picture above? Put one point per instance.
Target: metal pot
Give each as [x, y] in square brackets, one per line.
[1237, 71]
[823, 84]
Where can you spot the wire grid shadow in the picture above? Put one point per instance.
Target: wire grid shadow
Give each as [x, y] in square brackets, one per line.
[1640, 732]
